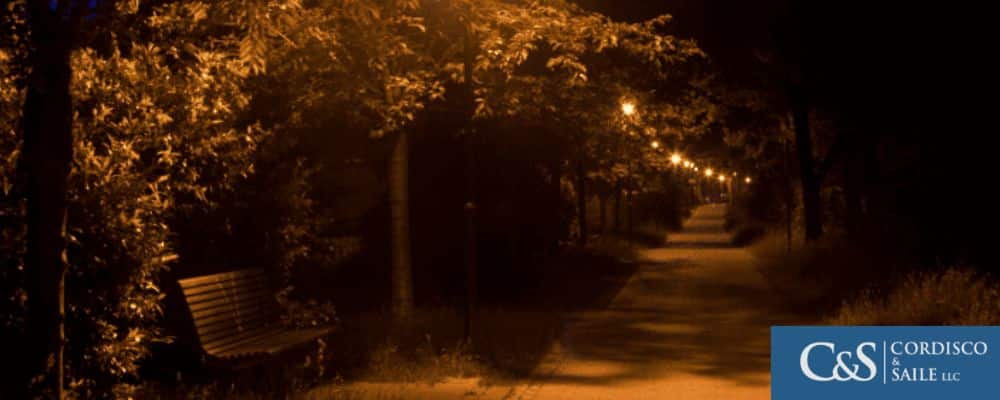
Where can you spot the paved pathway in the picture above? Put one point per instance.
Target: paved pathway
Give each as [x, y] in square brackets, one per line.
[691, 324]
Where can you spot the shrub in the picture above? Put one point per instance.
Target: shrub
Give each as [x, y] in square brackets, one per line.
[745, 227]
[819, 276]
[149, 142]
[956, 296]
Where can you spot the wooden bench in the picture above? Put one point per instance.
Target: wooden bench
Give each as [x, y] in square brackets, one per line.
[237, 318]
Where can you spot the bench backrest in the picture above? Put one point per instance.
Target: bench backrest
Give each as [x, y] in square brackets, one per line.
[230, 308]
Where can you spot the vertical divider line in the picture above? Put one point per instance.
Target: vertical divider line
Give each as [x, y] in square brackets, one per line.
[885, 365]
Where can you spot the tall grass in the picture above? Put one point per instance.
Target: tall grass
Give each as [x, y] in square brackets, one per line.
[819, 276]
[504, 343]
[850, 284]
[956, 296]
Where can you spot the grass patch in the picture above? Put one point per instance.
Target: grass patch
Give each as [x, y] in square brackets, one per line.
[818, 277]
[956, 296]
[643, 235]
[505, 343]
[508, 342]
[509, 336]
[745, 229]
[844, 284]
[747, 234]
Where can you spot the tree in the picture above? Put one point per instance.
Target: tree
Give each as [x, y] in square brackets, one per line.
[123, 128]
[515, 60]
[47, 153]
[559, 65]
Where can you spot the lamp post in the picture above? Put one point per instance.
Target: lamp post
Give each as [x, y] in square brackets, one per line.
[629, 110]
[470, 208]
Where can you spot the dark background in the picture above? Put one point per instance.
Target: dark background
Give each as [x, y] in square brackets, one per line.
[917, 76]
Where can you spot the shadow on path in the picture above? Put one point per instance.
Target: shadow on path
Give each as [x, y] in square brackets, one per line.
[693, 321]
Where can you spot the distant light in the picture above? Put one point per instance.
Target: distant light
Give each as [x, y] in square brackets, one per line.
[628, 108]
[748, 180]
[676, 159]
[735, 174]
[695, 169]
[722, 178]
[655, 144]
[709, 172]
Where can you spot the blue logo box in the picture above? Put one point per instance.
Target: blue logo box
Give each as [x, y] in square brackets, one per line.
[898, 362]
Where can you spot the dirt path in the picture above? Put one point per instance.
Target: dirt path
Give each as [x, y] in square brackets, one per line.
[692, 323]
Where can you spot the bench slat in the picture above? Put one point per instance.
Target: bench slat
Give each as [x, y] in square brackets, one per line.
[209, 280]
[222, 339]
[273, 344]
[238, 313]
[228, 328]
[232, 296]
[223, 277]
[205, 289]
[208, 318]
[219, 346]
[234, 303]
[245, 317]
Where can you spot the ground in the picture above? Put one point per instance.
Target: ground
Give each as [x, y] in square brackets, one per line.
[691, 324]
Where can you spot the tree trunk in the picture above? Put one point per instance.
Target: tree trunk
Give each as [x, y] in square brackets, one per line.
[618, 207]
[602, 199]
[733, 190]
[789, 195]
[581, 201]
[811, 201]
[630, 212]
[399, 210]
[48, 153]
[556, 229]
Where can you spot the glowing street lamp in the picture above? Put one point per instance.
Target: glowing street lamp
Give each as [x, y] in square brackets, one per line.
[655, 144]
[748, 180]
[676, 159]
[709, 172]
[722, 178]
[628, 108]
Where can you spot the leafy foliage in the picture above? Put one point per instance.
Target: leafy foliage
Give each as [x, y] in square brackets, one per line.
[178, 104]
[154, 138]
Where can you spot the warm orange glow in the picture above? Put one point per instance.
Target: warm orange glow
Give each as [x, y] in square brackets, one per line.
[709, 172]
[655, 144]
[628, 108]
[676, 159]
[748, 180]
[722, 178]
